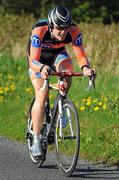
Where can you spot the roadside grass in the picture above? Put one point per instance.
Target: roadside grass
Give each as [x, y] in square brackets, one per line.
[99, 136]
[98, 109]
[15, 95]
[12, 119]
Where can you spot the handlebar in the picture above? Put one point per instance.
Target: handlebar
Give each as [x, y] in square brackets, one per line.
[66, 74]
[71, 74]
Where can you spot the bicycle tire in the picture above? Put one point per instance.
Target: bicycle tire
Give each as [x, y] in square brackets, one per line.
[64, 153]
[29, 136]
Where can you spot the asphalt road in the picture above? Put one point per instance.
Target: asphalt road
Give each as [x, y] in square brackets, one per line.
[15, 164]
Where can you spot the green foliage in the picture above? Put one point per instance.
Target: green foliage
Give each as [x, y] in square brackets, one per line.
[14, 33]
[104, 11]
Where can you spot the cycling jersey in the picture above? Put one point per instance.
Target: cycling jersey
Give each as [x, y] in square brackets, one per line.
[43, 46]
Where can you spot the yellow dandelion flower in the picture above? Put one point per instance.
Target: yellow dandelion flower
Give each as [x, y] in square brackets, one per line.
[1, 90]
[6, 89]
[12, 87]
[88, 103]
[89, 100]
[105, 99]
[84, 100]
[96, 108]
[82, 108]
[104, 106]
[10, 77]
[28, 90]
[95, 100]
[100, 103]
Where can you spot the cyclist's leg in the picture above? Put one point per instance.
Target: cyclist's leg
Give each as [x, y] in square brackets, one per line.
[39, 103]
[38, 106]
[63, 62]
[40, 96]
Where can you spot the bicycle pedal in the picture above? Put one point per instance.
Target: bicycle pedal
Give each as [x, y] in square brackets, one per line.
[51, 138]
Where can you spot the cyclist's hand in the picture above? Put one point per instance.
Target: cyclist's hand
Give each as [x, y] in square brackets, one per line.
[87, 71]
[44, 72]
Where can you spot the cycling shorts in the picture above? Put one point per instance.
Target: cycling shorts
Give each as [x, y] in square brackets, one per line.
[51, 60]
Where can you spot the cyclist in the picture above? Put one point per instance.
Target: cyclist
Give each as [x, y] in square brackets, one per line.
[46, 48]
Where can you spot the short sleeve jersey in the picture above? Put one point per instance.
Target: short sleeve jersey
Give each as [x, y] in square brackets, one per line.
[41, 39]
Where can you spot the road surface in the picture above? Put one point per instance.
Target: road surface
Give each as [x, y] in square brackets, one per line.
[15, 164]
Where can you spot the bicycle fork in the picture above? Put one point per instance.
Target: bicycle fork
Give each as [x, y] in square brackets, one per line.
[60, 106]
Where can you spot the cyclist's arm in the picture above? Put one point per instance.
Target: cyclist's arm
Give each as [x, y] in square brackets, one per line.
[78, 48]
[35, 49]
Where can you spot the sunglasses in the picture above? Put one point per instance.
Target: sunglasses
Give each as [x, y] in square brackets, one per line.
[62, 28]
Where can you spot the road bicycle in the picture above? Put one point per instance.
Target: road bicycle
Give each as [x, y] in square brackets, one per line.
[66, 137]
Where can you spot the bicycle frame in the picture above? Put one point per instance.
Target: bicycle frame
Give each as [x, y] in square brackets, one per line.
[61, 87]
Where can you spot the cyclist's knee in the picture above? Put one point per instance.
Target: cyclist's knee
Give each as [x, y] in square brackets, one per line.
[65, 65]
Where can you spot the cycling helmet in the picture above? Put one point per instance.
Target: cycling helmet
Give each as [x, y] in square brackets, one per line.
[59, 16]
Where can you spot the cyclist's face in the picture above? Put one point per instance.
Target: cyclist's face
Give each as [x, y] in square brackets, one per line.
[60, 33]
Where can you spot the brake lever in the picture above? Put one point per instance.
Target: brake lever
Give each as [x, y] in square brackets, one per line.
[46, 81]
[91, 81]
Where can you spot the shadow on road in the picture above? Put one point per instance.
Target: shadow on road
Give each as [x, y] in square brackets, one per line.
[96, 173]
[49, 167]
[87, 171]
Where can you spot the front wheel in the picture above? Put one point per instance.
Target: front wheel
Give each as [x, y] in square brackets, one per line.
[67, 145]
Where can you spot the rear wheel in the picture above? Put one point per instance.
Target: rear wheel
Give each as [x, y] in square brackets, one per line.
[67, 146]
